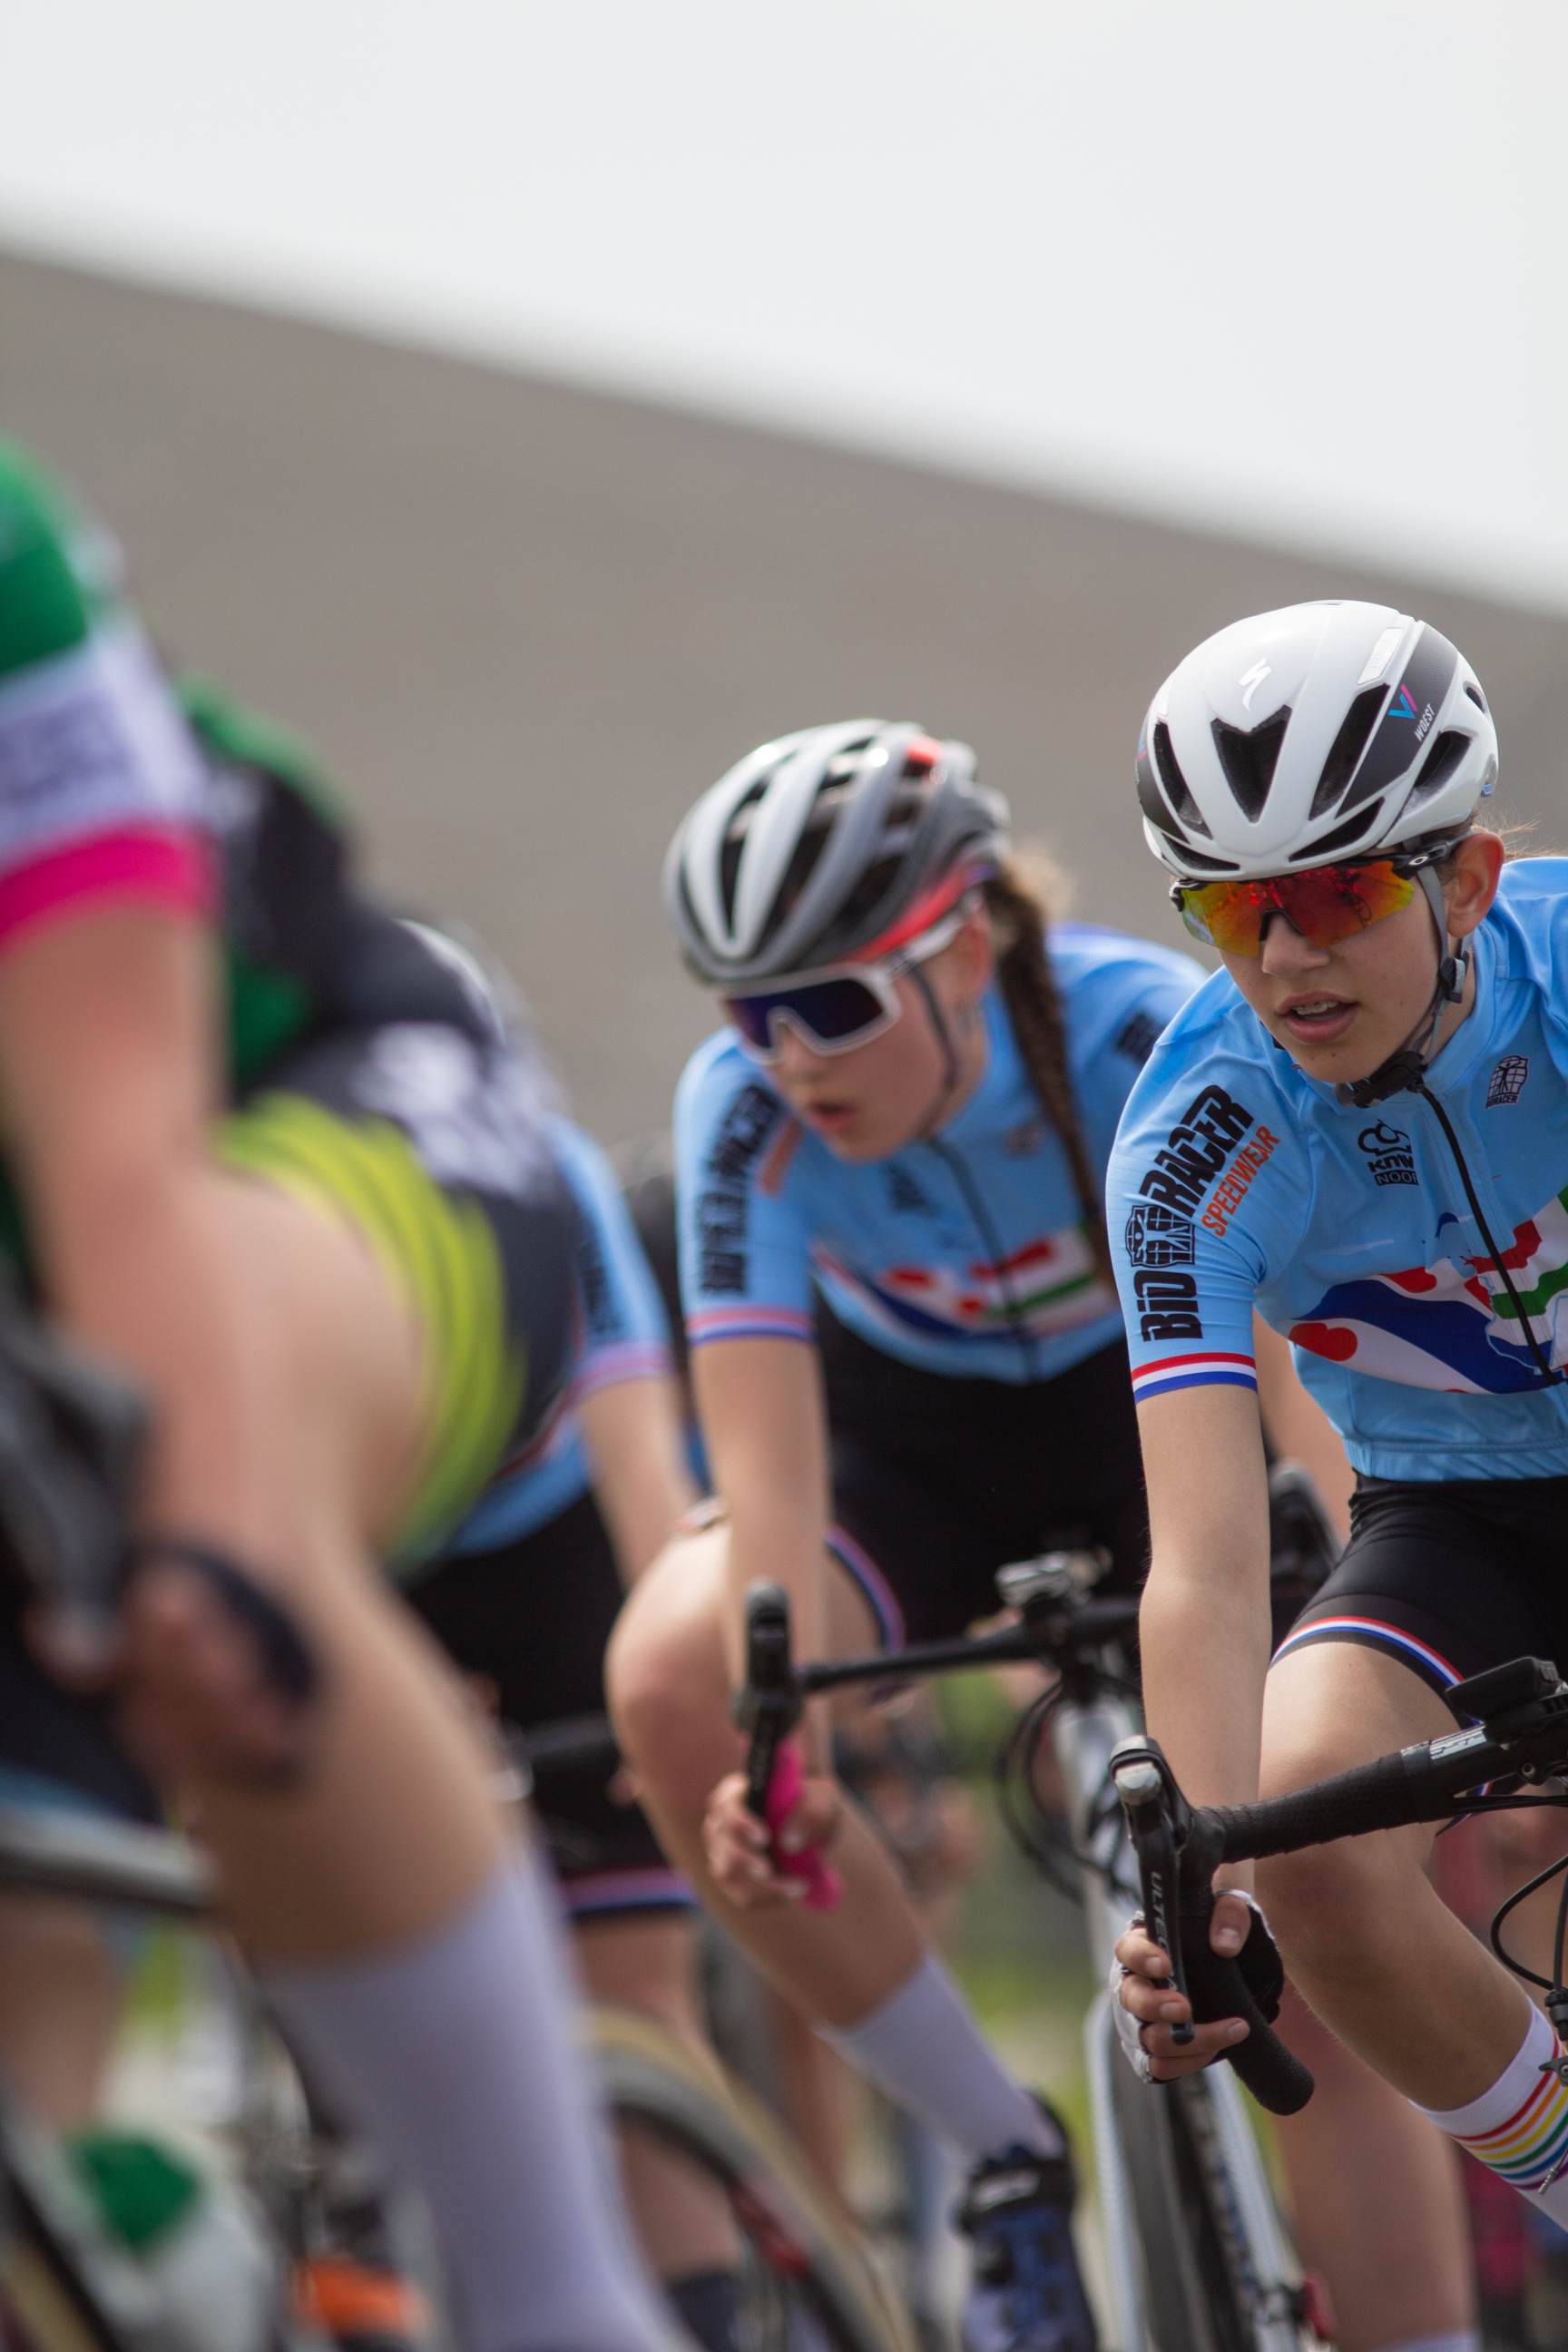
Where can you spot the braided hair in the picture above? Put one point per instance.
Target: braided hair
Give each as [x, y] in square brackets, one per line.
[1034, 1008]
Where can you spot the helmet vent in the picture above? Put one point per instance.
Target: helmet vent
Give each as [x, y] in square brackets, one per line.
[1474, 692]
[1441, 763]
[1249, 758]
[1190, 857]
[734, 845]
[1343, 836]
[1177, 787]
[1346, 749]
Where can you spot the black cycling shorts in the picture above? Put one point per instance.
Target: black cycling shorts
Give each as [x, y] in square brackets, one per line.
[532, 1619]
[1448, 1577]
[939, 1482]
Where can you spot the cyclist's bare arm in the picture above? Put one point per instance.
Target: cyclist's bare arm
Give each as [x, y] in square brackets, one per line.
[640, 1478]
[1204, 1635]
[1299, 1429]
[761, 1406]
[760, 1402]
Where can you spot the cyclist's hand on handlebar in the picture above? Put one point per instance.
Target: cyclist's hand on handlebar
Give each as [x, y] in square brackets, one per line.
[737, 1843]
[1151, 2005]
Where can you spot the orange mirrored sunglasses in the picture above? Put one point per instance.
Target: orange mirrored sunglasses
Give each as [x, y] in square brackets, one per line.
[1326, 904]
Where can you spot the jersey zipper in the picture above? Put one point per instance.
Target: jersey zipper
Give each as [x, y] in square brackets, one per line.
[1017, 1321]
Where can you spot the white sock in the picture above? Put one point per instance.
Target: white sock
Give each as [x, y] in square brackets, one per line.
[1464, 2340]
[459, 2057]
[1520, 2127]
[925, 2049]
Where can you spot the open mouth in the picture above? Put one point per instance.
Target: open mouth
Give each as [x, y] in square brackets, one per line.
[1320, 1017]
[829, 1118]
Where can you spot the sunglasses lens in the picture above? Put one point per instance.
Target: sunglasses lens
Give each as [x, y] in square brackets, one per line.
[1326, 904]
[826, 1012]
[1229, 915]
[1332, 902]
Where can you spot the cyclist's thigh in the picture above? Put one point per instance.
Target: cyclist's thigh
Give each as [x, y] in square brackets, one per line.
[925, 1567]
[672, 1662]
[532, 1619]
[1445, 1579]
[410, 1136]
[1435, 1584]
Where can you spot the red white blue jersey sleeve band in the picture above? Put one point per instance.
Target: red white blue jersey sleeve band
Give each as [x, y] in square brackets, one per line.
[1191, 1371]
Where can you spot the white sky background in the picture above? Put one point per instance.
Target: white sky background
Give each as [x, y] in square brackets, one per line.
[1294, 270]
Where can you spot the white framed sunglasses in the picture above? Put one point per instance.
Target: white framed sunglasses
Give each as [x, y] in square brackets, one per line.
[839, 1006]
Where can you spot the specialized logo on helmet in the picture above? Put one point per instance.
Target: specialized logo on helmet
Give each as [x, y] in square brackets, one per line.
[1508, 1079]
[1389, 1153]
[1252, 679]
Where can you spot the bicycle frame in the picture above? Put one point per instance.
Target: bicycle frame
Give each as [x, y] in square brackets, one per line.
[1094, 1718]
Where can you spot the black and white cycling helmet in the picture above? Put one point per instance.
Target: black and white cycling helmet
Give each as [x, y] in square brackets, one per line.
[822, 844]
[1303, 737]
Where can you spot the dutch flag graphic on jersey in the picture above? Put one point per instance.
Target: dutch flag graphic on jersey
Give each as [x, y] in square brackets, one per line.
[1452, 1325]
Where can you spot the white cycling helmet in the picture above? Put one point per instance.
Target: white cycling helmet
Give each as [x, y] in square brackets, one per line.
[823, 843]
[1319, 732]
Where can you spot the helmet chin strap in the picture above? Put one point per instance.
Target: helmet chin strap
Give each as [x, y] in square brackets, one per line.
[952, 1070]
[1406, 1066]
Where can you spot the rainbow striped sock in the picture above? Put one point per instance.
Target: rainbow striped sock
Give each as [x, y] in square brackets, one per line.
[1520, 2127]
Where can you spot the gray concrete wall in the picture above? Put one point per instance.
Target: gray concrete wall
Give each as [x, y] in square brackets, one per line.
[527, 624]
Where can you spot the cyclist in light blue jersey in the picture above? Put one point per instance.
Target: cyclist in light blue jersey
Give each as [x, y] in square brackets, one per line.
[908, 1361]
[1360, 1127]
[967, 1253]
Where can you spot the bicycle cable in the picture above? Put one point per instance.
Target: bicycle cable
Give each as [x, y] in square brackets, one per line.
[1042, 1835]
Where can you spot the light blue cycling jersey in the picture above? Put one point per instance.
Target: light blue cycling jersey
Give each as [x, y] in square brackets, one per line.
[1235, 1179]
[622, 1335]
[965, 1253]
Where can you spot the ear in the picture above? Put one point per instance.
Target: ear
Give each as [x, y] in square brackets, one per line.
[1472, 885]
[968, 962]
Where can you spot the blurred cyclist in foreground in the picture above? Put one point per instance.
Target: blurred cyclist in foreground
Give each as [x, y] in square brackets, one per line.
[264, 1154]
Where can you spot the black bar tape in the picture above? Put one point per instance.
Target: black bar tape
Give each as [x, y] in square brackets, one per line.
[1386, 1795]
[1218, 1987]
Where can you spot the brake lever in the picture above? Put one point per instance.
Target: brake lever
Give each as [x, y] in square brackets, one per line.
[1158, 1820]
[770, 1702]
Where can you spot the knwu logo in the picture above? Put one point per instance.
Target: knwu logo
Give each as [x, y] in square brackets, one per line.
[1389, 1154]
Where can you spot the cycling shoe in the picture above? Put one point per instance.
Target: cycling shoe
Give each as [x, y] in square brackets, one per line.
[1027, 2295]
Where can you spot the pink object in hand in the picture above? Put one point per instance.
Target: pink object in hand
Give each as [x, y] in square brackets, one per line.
[822, 1885]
